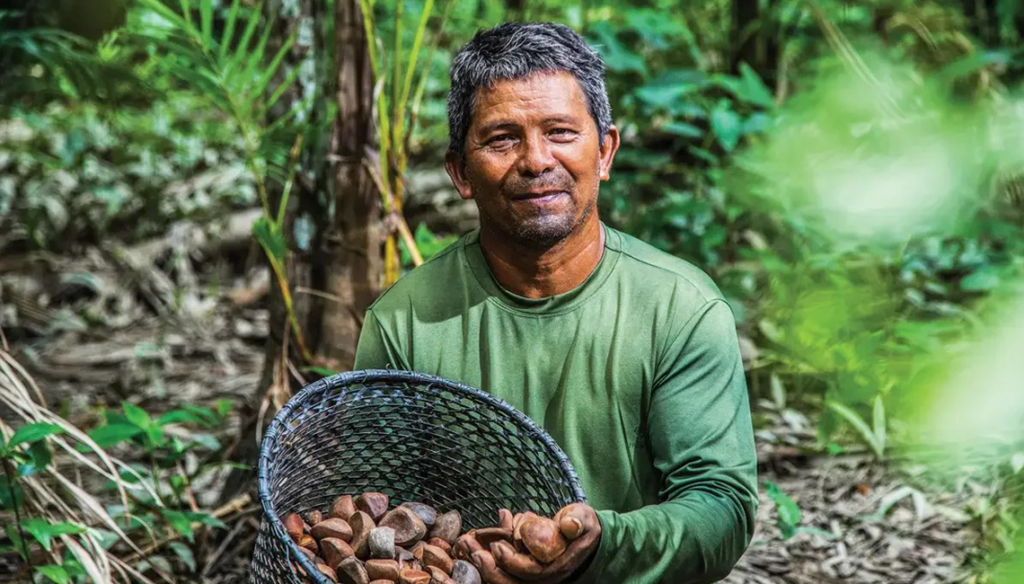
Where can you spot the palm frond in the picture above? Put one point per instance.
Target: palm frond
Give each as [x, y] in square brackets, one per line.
[63, 56]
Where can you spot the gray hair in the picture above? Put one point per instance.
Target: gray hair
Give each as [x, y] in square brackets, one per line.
[517, 50]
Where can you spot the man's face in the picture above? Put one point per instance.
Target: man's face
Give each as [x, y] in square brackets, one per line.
[533, 159]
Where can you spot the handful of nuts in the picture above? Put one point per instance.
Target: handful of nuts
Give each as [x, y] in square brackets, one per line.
[365, 540]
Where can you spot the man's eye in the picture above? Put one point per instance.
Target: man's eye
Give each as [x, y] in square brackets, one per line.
[563, 132]
[503, 138]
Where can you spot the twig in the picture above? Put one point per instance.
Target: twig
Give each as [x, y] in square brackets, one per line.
[402, 225]
[188, 487]
[237, 505]
[17, 512]
[216, 558]
[319, 294]
[295, 373]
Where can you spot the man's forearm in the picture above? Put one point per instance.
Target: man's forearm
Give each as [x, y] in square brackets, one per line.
[695, 539]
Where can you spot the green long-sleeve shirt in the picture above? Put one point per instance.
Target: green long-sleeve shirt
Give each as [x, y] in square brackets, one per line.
[636, 373]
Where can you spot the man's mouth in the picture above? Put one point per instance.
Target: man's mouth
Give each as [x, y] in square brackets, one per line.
[539, 197]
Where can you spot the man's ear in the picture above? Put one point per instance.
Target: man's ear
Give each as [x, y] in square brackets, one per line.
[456, 168]
[609, 146]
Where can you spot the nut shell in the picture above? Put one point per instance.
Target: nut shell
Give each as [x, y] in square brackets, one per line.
[409, 528]
[382, 569]
[542, 537]
[414, 577]
[436, 557]
[343, 507]
[333, 527]
[447, 526]
[373, 504]
[362, 525]
[335, 551]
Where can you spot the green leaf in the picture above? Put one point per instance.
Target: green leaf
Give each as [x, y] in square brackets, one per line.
[224, 407]
[982, 280]
[113, 434]
[15, 537]
[189, 413]
[667, 89]
[858, 423]
[206, 22]
[6, 500]
[44, 531]
[184, 554]
[207, 519]
[778, 392]
[243, 44]
[727, 125]
[752, 89]
[34, 432]
[786, 509]
[55, 573]
[973, 63]
[207, 441]
[683, 129]
[40, 457]
[270, 237]
[229, 30]
[878, 421]
[179, 522]
[616, 56]
[259, 89]
[137, 415]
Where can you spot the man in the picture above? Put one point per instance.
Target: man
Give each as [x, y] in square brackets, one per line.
[627, 356]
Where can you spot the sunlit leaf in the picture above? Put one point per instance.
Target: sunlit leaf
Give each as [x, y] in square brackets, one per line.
[55, 573]
[113, 434]
[270, 237]
[30, 433]
[858, 423]
[786, 509]
[43, 531]
[727, 125]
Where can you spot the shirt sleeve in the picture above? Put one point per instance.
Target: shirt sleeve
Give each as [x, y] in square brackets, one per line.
[702, 442]
[374, 350]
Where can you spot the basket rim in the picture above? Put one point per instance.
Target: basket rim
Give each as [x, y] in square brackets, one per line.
[394, 375]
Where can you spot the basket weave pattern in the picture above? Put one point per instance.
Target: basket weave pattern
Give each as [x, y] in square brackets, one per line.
[411, 436]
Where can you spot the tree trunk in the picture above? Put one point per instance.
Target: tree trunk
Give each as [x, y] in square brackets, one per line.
[354, 269]
[757, 35]
[332, 224]
[745, 36]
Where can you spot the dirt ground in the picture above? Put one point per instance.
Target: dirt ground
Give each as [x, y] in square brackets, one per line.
[100, 329]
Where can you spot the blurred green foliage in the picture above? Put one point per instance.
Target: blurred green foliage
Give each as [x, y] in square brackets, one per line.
[855, 186]
[853, 197]
[71, 174]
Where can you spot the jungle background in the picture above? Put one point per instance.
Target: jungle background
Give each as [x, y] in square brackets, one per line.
[198, 199]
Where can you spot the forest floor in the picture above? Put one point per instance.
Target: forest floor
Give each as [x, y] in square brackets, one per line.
[181, 327]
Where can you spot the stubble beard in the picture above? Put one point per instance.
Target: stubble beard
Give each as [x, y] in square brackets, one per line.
[543, 230]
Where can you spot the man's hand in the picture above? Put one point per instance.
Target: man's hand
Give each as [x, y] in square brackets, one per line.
[500, 563]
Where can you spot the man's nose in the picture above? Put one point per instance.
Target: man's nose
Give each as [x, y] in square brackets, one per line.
[536, 158]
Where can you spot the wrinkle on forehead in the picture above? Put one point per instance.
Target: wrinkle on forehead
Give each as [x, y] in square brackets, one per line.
[558, 89]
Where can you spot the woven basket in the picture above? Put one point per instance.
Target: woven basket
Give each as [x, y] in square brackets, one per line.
[411, 436]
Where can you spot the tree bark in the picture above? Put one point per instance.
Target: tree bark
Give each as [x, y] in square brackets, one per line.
[745, 37]
[332, 224]
[354, 268]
